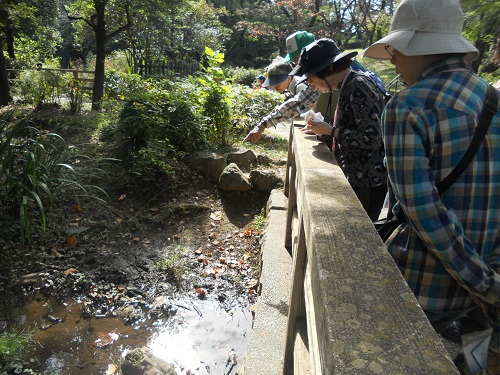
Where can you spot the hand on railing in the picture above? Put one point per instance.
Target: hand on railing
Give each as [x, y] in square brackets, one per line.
[317, 127]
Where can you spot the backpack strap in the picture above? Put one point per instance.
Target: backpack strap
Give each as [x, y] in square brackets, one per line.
[490, 107]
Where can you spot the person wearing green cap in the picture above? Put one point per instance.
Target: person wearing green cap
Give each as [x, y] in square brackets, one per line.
[301, 100]
[294, 44]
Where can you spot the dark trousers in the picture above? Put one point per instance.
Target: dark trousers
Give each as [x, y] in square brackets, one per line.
[372, 199]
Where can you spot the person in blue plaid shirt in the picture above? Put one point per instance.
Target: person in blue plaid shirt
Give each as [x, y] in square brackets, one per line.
[449, 249]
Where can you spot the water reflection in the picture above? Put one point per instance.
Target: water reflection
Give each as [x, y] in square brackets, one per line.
[203, 339]
[201, 336]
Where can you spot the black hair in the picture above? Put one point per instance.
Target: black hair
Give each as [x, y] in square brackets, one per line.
[336, 67]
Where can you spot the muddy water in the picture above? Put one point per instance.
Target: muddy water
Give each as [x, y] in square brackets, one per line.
[200, 338]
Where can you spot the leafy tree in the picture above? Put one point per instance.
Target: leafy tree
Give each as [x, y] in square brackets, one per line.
[28, 33]
[482, 25]
[180, 30]
[101, 16]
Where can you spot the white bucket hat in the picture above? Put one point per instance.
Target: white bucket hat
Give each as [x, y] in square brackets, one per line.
[425, 27]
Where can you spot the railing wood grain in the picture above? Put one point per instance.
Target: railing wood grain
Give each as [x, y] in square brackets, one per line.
[350, 311]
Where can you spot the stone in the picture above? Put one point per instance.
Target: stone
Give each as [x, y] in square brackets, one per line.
[243, 157]
[208, 163]
[264, 180]
[233, 179]
[140, 361]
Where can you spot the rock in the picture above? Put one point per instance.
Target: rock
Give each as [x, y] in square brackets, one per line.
[264, 180]
[233, 179]
[32, 279]
[208, 163]
[140, 361]
[243, 158]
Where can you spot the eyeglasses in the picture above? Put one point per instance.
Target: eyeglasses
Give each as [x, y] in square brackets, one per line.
[390, 52]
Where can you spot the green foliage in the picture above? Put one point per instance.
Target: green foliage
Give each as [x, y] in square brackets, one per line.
[174, 263]
[14, 345]
[215, 97]
[34, 167]
[156, 128]
[119, 85]
[259, 221]
[242, 76]
[40, 87]
[249, 106]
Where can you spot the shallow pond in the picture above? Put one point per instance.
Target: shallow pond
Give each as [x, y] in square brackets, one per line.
[197, 337]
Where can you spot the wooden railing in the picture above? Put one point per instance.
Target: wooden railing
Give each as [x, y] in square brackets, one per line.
[84, 77]
[350, 311]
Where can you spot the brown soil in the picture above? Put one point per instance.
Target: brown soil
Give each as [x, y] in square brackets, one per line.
[196, 241]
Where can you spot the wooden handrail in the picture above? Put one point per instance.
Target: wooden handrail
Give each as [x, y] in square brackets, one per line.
[350, 311]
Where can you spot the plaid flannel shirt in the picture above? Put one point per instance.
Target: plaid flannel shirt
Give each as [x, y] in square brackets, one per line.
[451, 243]
[292, 107]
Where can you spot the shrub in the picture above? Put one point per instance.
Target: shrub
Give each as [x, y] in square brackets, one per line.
[249, 106]
[119, 85]
[156, 129]
[243, 76]
[214, 97]
[34, 166]
[40, 87]
[14, 345]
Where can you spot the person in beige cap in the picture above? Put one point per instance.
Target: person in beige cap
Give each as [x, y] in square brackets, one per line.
[302, 99]
[448, 250]
[279, 78]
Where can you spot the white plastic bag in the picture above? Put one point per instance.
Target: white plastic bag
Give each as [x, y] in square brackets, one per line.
[311, 115]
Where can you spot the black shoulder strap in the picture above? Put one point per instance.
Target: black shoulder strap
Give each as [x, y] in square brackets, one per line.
[490, 107]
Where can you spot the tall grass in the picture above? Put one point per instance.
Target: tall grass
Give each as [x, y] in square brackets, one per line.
[34, 167]
[14, 345]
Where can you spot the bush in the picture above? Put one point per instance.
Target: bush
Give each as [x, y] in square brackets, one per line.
[243, 76]
[120, 85]
[156, 129]
[40, 87]
[34, 166]
[249, 106]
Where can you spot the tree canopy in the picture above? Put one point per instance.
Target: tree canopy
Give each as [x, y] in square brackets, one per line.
[150, 33]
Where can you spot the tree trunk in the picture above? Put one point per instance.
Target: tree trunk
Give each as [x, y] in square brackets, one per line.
[100, 41]
[482, 48]
[5, 97]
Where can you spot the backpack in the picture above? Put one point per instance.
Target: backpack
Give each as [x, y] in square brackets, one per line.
[356, 65]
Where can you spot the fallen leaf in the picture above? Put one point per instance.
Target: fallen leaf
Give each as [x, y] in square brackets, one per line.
[154, 209]
[246, 215]
[199, 251]
[118, 220]
[122, 197]
[248, 232]
[78, 208]
[200, 291]
[70, 271]
[71, 241]
[105, 339]
[111, 370]
[217, 215]
[135, 239]
[55, 252]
